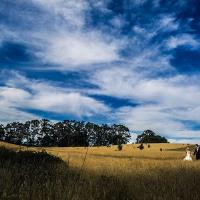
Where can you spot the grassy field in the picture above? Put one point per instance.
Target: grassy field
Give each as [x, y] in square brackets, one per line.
[108, 174]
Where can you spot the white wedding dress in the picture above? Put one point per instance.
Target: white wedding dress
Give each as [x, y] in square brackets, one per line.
[188, 156]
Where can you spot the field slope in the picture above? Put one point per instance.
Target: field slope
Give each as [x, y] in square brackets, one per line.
[158, 172]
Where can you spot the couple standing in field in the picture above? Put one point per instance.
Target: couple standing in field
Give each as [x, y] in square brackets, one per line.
[188, 156]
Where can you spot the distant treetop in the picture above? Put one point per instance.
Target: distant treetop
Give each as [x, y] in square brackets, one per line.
[148, 136]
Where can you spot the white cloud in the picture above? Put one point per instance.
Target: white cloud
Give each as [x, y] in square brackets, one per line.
[163, 23]
[11, 103]
[22, 93]
[79, 50]
[72, 12]
[155, 118]
[113, 81]
[127, 83]
[6, 34]
[149, 117]
[67, 103]
[182, 40]
[10, 114]
[70, 46]
[168, 23]
[152, 60]
[148, 54]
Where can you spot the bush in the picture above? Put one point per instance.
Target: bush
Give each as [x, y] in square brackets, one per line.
[119, 147]
[141, 146]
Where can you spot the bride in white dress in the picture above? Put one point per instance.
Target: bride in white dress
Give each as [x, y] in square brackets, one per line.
[188, 156]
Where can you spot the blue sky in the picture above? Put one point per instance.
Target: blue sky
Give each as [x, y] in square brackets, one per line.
[134, 62]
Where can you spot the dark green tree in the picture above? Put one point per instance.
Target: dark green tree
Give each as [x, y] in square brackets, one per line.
[92, 130]
[2, 132]
[14, 132]
[35, 132]
[120, 134]
[149, 136]
[46, 133]
[59, 133]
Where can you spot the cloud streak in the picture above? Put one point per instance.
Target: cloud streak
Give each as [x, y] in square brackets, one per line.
[79, 50]
[45, 96]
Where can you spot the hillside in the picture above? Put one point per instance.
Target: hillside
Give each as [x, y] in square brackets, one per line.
[98, 173]
[109, 156]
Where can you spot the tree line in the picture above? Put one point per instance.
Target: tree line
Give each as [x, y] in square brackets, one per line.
[66, 133]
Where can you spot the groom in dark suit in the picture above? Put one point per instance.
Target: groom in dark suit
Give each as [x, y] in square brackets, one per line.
[197, 152]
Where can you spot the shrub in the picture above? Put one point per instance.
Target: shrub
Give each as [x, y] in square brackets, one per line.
[141, 146]
[119, 147]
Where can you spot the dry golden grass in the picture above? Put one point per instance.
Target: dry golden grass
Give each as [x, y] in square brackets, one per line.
[110, 160]
[128, 174]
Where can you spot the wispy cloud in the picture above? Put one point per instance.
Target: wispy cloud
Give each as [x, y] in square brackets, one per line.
[22, 93]
[72, 13]
[187, 40]
[79, 50]
[168, 23]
